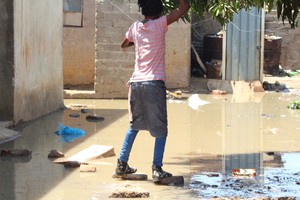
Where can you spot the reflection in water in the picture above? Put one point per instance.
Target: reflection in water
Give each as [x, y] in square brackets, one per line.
[275, 182]
[204, 145]
[245, 125]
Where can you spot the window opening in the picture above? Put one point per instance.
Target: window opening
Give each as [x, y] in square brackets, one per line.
[73, 13]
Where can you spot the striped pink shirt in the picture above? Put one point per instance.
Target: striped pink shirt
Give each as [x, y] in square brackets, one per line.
[149, 40]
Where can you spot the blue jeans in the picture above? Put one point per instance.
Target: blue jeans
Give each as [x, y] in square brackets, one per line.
[159, 147]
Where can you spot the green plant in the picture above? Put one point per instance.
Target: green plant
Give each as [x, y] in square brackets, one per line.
[223, 10]
[294, 105]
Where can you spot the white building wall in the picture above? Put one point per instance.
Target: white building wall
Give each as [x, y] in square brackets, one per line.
[38, 62]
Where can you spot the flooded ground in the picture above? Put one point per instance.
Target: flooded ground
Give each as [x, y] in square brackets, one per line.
[206, 142]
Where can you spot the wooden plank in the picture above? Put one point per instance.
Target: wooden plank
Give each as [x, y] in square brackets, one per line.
[92, 152]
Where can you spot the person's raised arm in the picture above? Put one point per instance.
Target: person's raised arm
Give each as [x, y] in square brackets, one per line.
[178, 12]
[126, 43]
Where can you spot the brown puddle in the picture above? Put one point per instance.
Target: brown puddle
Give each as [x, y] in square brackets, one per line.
[206, 141]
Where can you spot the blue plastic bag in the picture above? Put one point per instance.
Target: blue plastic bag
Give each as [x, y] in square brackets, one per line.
[67, 133]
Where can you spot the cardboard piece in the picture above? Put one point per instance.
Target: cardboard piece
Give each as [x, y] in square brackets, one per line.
[92, 152]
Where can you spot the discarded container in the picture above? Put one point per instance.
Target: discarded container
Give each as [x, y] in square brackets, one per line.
[244, 172]
[212, 47]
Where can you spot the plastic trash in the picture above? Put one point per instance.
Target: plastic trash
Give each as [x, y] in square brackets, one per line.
[194, 102]
[244, 172]
[68, 134]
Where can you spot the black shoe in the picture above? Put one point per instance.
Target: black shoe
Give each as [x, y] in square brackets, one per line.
[123, 168]
[158, 174]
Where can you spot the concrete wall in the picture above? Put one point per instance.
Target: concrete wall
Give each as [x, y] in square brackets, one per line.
[6, 59]
[114, 66]
[290, 54]
[79, 49]
[38, 79]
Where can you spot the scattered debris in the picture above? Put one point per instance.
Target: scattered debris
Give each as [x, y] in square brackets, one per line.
[221, 92]
[15, 152]
[272, 37]
[210, 174]
[174, 95]
[244, 172]
[94, 118]
[134, 176]
[175, 101]
[195, 101]
[55, 154]
[274, 86]
[87, 168]
[130, 191]
[77, 106]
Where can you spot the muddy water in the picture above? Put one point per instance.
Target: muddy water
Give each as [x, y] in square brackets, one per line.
[205, 143]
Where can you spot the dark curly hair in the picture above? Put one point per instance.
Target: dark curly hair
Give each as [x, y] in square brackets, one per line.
[151, 7]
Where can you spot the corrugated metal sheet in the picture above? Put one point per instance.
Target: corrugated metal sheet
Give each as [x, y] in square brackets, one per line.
[243, 44]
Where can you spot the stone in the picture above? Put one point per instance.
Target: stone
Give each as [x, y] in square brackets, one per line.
[55, 154]
[84, 110]
[94, 118]
[87, 168]
[15, 152]
[72, 164]
[173, 180]
[135, 176]
[130, 191]
[74, 115]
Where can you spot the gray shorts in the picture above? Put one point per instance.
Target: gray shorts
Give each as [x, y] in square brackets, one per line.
[148, 107]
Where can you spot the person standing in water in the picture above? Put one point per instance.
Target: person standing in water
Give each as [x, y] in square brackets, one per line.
[147, 91]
